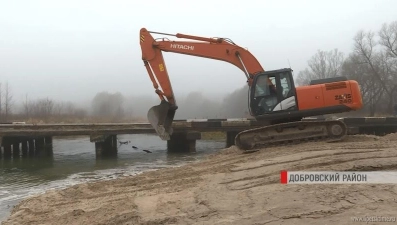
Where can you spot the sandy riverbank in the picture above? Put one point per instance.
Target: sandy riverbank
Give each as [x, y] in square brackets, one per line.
[230, 188]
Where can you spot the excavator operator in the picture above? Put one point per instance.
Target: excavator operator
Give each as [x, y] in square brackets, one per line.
[264, 86]
[265, 95]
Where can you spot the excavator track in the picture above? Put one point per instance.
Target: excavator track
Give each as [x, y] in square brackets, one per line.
[290, 133]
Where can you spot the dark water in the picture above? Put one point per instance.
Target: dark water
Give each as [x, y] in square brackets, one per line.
[74, 162]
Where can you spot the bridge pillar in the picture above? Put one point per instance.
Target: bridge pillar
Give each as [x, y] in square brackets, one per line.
[48, 141]
[31, 147]
[24, 146]
[48, 146]
[105, 145]
[15, 147]
[183, 142]
[39, 144]
[7, 143]
[230, 136]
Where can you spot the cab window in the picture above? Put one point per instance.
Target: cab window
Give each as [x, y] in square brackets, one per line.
[286, 85]
[265, 86]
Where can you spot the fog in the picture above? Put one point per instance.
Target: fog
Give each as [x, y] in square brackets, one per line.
[69, 51]
[197, 105]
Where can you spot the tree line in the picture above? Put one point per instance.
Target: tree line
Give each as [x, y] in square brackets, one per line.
[105, 107]
[114, 107]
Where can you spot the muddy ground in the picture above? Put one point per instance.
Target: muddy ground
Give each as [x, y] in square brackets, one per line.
[231, 188]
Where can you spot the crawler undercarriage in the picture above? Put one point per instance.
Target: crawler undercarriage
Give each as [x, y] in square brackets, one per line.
[292, 132]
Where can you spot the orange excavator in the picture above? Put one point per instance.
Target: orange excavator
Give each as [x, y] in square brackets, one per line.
[274, 101]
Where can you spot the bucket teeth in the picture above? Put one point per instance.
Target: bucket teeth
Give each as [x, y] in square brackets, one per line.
[161, 117]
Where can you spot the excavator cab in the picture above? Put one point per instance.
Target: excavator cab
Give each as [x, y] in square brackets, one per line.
[272, 91]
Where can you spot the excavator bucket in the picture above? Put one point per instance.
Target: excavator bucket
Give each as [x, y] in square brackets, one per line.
[161, 117]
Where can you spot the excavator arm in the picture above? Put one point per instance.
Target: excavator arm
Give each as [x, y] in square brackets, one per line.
[222, 49]
[213, 48]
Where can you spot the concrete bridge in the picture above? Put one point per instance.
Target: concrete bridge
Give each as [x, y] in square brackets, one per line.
[31, 139]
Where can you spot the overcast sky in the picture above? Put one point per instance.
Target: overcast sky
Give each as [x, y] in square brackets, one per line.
[70, 50]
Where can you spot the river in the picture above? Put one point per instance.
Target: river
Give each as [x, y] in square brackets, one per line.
[74, 162]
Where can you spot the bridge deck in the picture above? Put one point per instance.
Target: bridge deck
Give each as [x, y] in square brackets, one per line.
[201, 125]
[117, 128]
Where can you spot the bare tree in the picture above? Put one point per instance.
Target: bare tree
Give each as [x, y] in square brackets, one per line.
[196, 105]
[43, 108]
[48, 107]
[380, 67]
[235, 104]
[80, 113]
[27, 107]
[69, 108]
[324, 64]
[371, 90]
[108, 105]
[8, 100]
[58, 108]
[388, 38]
